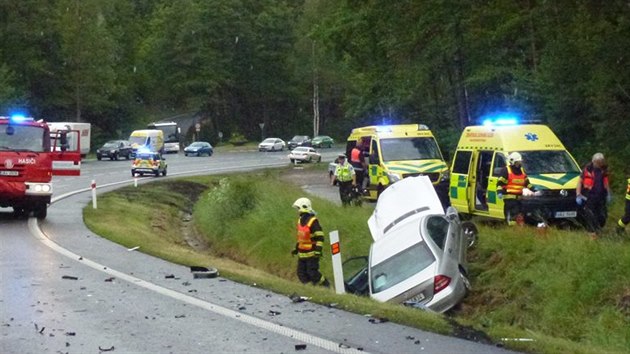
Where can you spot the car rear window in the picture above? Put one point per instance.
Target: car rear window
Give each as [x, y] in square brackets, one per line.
[401, 266]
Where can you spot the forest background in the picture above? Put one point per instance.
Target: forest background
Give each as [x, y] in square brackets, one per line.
[323, 66]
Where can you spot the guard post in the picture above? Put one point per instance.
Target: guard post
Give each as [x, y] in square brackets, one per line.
[336, 262]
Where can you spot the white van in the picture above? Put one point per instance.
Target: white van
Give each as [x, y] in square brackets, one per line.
[84, 134]
[147, 139]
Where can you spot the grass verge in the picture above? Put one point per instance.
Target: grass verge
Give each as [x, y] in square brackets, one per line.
[558, 288]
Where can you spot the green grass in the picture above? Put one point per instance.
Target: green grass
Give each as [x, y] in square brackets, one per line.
[568, 293]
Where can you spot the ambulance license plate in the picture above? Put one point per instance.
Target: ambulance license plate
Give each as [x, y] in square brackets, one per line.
[565, 214]
[9, 173]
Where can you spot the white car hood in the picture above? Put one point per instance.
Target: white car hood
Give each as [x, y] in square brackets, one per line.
[411, 196]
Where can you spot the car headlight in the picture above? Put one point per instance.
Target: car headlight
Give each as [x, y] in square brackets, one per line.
[393, 177]
[112, 152]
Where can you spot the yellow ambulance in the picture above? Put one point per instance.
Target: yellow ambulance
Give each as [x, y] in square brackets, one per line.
[398, 151]
[481, 154]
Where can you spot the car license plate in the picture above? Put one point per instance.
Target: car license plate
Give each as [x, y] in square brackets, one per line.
[9, 173]
[417, 298]
[565, 214]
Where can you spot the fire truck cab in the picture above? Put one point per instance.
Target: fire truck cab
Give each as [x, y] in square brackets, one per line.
[29, 157]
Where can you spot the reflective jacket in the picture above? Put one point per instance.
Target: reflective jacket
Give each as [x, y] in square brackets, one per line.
[344, 172]
[628, 190]
[310, 237]
[588, 177]
[512, 183]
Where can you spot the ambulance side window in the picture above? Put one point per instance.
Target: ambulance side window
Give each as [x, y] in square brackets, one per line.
[499, 163]
[461, 163]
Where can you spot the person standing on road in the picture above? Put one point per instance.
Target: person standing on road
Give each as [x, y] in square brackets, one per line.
[593, 193]
[625, 219]
[346, 177]
[309, 245]
[357, 161]
[510, 185]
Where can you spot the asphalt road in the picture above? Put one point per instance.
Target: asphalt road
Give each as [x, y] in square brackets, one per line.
[67, 290]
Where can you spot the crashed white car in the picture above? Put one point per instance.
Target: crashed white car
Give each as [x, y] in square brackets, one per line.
[418, 256]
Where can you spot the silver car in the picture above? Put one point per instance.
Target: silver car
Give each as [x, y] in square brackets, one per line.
[272, 144]
[418, 257]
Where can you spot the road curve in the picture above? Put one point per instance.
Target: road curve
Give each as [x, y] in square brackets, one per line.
[65, 289]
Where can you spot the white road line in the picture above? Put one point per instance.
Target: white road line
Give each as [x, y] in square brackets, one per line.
[220, 310]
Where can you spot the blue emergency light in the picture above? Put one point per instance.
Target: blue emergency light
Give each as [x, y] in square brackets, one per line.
[500, 119]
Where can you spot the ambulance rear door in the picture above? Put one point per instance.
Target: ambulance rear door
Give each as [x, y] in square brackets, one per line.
[459, 182]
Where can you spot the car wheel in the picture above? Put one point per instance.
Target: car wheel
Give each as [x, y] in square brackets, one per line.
[319, 159]
[470, 231]
[198, 154]
[99, 158]
[186, 154]
[273, 148]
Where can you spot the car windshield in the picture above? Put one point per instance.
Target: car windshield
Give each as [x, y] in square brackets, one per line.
[196, 144]
[549, 161]
[22, 138]
[269, 141]
[111, 144]
[404, 149]
[301, 149]
[299, 138]
[138, 140]
[401, 266]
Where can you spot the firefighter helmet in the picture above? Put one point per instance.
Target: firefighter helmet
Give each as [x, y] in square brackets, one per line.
[515, 157]
[303, 205]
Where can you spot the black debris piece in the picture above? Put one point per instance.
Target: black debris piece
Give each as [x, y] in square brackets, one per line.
[376, 320]
[36, 327]
[274, 313]
[180, 316]
[192, 291]
[333, 305]
[41, 331]
[242, 308]
[205, 274]
[343, 346]
[186, 283]
[297, 298]
[69, 277]
[198, 269]
[106, 349]
[300, 346]
[110, 279]
[71, 334]
[80, 258]
[67, 344]
[360, 349]
[416, 342]
[170, 276]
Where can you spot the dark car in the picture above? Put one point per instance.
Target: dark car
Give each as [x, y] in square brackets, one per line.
[199, 148]
[322, 141]
[114, 149]
[299, 140]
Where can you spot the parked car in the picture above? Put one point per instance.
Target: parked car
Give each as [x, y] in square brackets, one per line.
[148, 163]
[114, 149]
[199, 148]
[272, 144]
[304, 154]
[299, 140]
[322, 141]
[418, 257]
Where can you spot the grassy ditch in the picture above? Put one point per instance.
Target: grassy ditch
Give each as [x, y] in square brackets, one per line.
[558, 288]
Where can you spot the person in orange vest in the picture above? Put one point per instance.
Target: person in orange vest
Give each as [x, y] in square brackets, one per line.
[357, 160]
[510, 186]
[309, 245]
[593, 193]
[625, 219]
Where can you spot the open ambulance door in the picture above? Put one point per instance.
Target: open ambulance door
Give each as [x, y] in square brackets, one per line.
[66, 158]
[459, 182]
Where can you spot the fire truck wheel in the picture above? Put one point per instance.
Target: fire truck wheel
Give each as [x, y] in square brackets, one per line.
[40, 211]
[20, 213]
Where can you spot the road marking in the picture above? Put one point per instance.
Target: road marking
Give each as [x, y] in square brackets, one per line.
[219, 310]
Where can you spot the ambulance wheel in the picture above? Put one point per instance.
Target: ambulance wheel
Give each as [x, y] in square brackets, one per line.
[40, 211]
[157, 173]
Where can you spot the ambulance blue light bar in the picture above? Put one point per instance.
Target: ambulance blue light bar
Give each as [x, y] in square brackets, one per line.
[501, 120]
[19, 118]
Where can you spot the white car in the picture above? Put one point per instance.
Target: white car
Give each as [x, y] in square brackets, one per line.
[418, 257]
[272, 144]
[304, 154]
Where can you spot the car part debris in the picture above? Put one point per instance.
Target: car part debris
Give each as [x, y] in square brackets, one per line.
[300, 346]
[69, 277]
[274, 313]
[297, 298]
[133, 248]
[203, 272]
[170, 276]
[518, 339]
[180, 316]
[71, 333]
[378, 320]
[110, 279]
[105, 349]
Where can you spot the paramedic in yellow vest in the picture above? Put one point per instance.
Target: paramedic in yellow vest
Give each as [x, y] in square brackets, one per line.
[310, 241]
[625, 219]
[345, 175]
[510, 186]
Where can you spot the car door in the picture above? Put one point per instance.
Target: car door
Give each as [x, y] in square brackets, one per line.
[66, 161]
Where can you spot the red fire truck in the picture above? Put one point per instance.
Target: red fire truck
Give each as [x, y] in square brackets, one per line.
[29, 156]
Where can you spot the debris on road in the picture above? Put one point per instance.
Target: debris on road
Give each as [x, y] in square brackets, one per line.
[274, 313]
[105, 349]
[110, 279]
[376, 320]
[169, 276]
[69, 277]
[203, 272]
[133, 248]
[300, 346]
[297, 298]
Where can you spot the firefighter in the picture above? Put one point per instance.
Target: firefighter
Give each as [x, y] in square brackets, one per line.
[625, 219]
[510, 186]
[310, 241]
[345, 175]
[593, 193]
